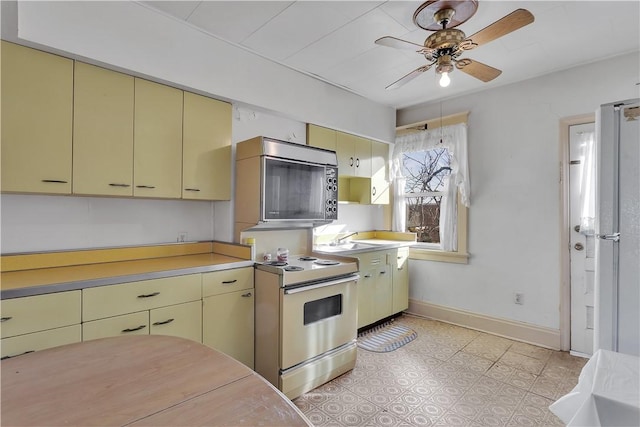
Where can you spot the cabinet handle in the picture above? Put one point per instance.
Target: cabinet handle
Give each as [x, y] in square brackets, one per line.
[4, 319]
[367, 276]
[350, 161]
[228, 282]
[374, 191]
[163, 322]
[55, 181]
[113, 184]
[383, 272]
[357, 163]
[16, 355]
[191, 189]
[149, 295]
[134, 329]
[247, 295]
[145, 186]
[400, 268]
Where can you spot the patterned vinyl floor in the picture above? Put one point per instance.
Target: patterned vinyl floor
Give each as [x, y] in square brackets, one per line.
[447, 376]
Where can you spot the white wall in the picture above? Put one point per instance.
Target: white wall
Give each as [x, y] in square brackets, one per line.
[514, 219]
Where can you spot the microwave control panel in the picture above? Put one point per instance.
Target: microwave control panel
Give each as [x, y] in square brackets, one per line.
[331, 195]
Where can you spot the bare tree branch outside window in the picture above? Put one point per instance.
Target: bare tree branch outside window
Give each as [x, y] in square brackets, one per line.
[425, 172]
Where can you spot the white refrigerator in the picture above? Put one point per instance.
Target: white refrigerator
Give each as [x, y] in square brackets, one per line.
[617, 228]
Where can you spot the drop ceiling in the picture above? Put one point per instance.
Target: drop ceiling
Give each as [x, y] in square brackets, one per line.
[334, 40]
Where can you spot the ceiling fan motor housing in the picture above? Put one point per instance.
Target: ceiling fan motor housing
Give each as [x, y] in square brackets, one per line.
[444, 39]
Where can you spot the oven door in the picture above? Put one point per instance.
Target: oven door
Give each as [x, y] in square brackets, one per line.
[317, 318]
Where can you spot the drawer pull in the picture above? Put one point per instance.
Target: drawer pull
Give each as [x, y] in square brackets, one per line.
[163, 322]
[191, 189]
[228, 282]
[367, 276]
[119, 185]
[4, 319]
[247, 295]
[55, 181]
[16, 355]
[149, 295]
[383, 272]
[134, 329]
[145, 186]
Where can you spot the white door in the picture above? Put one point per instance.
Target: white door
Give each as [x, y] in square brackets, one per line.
[618, 243]
[581, 246]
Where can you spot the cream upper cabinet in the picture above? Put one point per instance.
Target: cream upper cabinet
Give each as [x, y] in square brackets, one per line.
[354, 155]
[206, 159]
[102, 131]
[157, 140]
[37, 117]
[379, 173]
[318, 136]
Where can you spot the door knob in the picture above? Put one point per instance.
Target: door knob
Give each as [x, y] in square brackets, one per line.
[578, 246]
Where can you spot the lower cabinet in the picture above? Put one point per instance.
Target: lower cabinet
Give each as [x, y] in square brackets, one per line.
[38, 322]
[383, 289]
[228, 313]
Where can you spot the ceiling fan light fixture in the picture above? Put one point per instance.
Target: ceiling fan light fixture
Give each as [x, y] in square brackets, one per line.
[445, 80]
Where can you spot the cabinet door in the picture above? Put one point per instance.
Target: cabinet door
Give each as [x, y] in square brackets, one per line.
[28, 343]
[37, 110]
[345, 150]
[227, 324]
[365, 298]
[113, 300]
[206, 167]
[362, 153]
[379, 173]
[102, 132]
[39, 312]
[401, 281]
[181, 320]
[383, 292]
[320, 137]
[128, 324]
[157, 141]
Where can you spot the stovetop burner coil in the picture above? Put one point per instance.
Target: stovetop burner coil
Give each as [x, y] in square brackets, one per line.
[276, 263]
[307, 258]
[326, 262]
[293, 268]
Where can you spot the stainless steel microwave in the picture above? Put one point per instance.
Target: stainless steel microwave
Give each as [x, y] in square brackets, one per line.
[279, 181]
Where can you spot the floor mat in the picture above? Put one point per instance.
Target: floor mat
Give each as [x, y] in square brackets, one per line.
[386, 337]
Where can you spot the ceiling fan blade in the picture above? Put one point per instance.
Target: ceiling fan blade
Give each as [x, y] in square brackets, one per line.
[478, 69]
[397, 43]
[406, 79]
[513, 21]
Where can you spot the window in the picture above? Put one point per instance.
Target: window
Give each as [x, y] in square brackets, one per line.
[425, 173]
[431, 190]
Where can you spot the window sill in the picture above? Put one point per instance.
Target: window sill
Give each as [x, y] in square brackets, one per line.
[427, 254]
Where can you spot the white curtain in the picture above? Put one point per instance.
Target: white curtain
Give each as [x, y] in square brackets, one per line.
[588, 185]
[454, 139]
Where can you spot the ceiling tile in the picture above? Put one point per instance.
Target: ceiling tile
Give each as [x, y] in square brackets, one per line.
[179, 9]
[235, 20]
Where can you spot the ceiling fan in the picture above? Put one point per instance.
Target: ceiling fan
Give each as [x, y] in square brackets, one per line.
[443, 47]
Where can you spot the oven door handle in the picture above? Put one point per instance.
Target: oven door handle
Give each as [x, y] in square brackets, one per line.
[353, 278]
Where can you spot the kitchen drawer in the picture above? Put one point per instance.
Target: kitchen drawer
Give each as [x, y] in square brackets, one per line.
[181, 320]
[128, 324]
[27, 343]
[372, 259]
[221, 282]
[113, 300]
[37, 313]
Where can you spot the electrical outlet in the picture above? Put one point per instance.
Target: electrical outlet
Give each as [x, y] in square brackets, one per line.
[182, 237]
[518, 298]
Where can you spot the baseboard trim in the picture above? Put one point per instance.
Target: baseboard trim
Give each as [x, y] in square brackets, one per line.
[512, 329]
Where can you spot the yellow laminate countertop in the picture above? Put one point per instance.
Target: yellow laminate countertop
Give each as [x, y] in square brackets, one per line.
[56, 279]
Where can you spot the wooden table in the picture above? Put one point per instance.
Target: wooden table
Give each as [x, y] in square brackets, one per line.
[139, 380]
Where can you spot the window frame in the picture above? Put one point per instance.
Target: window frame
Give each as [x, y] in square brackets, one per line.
[430, 251]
